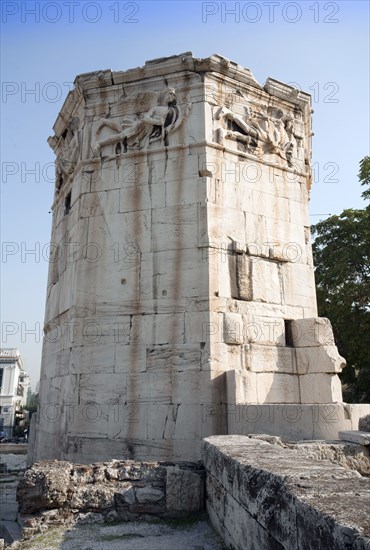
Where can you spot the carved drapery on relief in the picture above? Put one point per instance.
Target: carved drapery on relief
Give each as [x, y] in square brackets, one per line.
[69, 151]
[267, 130]
[157, 116]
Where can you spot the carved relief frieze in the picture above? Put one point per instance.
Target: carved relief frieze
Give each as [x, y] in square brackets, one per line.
[68, 150]
[157, 115]
[263, 130]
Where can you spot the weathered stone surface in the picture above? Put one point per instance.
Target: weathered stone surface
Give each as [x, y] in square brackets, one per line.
[319, 359]
[185, 490]
[291, 421]
[364, 423]
[54, 493]
[277, 388]
[93, 498]
[90, 517]
[271, 359]
[148, 495]
[288, 501]
[362, 438]
[352, 456]
[320, 388]
[233, 328]
[316, 331]
[12, 462]
[181, 236]
[47, 485]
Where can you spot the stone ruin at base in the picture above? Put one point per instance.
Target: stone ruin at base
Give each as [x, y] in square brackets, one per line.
[181, 297]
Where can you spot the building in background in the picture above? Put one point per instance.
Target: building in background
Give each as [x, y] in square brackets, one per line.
[14, 384]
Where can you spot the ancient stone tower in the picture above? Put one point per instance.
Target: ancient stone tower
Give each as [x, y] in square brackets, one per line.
[181, 285]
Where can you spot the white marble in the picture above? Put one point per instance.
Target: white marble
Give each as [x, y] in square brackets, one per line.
[182, 279]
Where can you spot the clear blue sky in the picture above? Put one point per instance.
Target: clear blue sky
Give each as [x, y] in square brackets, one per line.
[322, 47]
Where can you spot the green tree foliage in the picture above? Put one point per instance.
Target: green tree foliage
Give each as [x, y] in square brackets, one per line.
[342, 259]
[32, 402]
[364, 176]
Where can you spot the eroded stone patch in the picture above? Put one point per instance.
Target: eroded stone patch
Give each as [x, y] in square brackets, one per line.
[56, 493]
[263, 494]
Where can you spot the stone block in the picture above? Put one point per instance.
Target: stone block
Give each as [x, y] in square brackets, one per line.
[268, 204]
[285, 240]
[215, 418]
[162, 420]
[356, 412]
[105, 388]
[171, 275]
[203, 327]
[190, 190]
[136, 198]
[174, 228]
[130, 358]
[222, 269]
[263, 330]
[292, 422]
[157, 329]
[241, 387]
[128, 421]
[224, 225]
[90, 517]
[233, 328]
[151, 387]
[186, 449]
[255, 235]
[148, 495]
[233, 195]
[320, 388]
[265, 281]
[277, 388]
[243, 478]
[184, 490]
[314, 331]
[362, 438]
[161, 169]
[92, 497]
[240, 274]
[182, 357]
[222, 357]
[188, 422]
[131, 230]
[298, 212]
[270, 359]
[193, 387]
[364, 423]
[98, 204]
[299, 286]
[44, 488]
[92, 359]
[319, 359]
[62, 364]
[67, 293]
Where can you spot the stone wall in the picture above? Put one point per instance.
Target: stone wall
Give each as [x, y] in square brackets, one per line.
[181, 275]
[55, 492]
[293, 422]
[261, 494]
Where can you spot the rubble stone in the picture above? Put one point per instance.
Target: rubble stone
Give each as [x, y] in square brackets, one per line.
[54, 493]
